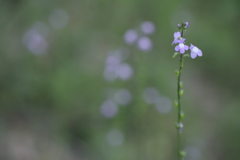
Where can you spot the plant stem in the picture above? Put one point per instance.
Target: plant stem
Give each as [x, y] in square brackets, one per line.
[179, 105]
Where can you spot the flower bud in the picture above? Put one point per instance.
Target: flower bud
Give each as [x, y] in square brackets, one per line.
[177, 126]
[181, 92]
[182, 115]
[182, 154]
[181, 84]
[176, 103]
[177, 72]
[181, 64]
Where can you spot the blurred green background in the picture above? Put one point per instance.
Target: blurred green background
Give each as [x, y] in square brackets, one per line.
[94, 80]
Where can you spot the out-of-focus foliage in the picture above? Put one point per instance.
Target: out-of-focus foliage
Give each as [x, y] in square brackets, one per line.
[73, 86]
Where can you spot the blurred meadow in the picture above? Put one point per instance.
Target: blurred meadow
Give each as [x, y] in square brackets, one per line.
[94, 80]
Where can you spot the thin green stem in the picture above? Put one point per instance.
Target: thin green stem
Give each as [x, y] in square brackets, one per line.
[179, 105]
[179, 128]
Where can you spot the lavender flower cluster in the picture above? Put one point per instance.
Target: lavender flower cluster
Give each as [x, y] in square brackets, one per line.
[181, 47]
[35, 39]
[140, 36]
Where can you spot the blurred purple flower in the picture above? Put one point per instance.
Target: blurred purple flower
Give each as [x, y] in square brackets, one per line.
[144, 44]
[178, 38]
[109, 109]
[195, 51]
[181, 48]
[124, 71]
[186, 25]
[130, 36]
[113, 61]
[147, 27]
[35, 42]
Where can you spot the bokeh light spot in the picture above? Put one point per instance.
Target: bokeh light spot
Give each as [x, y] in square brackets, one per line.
[109, 109]
[130, 36]
[147, 27]
[144, 44]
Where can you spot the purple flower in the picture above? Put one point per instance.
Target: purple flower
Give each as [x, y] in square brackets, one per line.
[181, 48]
[186, 24]
[178, 38]
[179, 25]
[195, 51]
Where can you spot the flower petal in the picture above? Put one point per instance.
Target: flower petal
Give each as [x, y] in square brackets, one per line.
[177, 34]
[182, 40]
[185, 47]
[182, 50]
[174, 41]
[193, 55]
[177, 48]
[191, 47]
[200, 53]
[181, 46]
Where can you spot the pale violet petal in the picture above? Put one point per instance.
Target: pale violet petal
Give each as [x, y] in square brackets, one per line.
[181, 46]
[182, 50]
[200, 53]
[191, 47]
[177, 48]
[193, 55]
[177, 34]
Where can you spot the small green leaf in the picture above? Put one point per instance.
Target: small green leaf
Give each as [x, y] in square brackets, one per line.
[175, 54]
[177, 72]
[186, 55]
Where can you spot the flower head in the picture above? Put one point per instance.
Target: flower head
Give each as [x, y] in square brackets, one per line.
[181, 48]
[178, 38]
[195, 51]
[186, 25]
